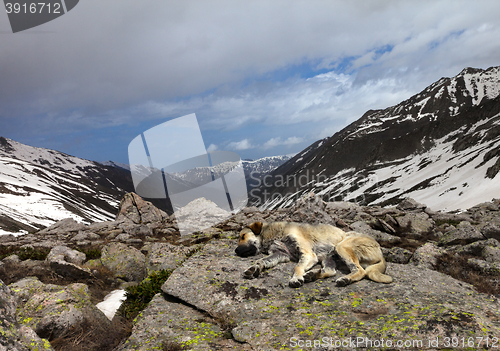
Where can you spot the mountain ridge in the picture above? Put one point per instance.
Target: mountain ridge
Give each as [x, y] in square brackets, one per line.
[464, 110]
[40, 186]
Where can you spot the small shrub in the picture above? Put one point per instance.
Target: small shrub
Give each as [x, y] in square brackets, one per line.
[92, 253]
[172, 346]
[457, 267]
[453, 222]
[25, 253]
[140, 295]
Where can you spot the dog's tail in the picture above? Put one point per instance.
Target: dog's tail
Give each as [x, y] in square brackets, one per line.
[376, 272]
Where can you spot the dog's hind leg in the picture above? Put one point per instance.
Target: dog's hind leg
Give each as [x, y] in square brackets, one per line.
[376, 272]
[349, 257]
[270, 261]
[328, 270]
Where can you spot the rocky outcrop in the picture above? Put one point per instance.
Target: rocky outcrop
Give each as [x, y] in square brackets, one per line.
[135, 209]
[265, 314]
[53, 310]
[445, 266]
[13, 335]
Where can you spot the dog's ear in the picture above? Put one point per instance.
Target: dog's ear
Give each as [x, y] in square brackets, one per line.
[256, 227]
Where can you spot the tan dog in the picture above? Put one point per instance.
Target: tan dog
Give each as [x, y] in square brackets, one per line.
[308, 245]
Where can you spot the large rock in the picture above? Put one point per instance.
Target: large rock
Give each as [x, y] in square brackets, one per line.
[381, 237]
[420, 304]
[13, 336]
[491, 230]
[134, 208]
[67, 225]
[166, 256]
[165, 325]
[64, 253]
[397, 255]
[416, 223]
[124, 261]
[53, 310]
[198, 215]
[465, 233]
[310, 209]
[426, 256]
[410, 204]
[66, 262]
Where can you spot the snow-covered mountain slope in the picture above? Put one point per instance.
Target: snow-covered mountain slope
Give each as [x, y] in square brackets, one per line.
[40, 186]
[441, 147]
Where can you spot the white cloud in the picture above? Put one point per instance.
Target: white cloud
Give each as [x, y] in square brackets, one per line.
[273, 142]
[212, 147]
[237, 65]
[240, 145]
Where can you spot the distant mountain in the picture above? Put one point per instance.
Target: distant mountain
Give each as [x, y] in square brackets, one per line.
[40, 186]
[440, 147]
[254, 170]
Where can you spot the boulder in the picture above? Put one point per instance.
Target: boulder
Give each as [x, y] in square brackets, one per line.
[66, 262]
[86, 236]
[64, 226]
[53, 310]
[465, 233]
[397, 255]
[410, 204]
[14, 336]
[266, 314]
[484, 267]
[426, 256]
[342, 206]
[491, 254]
[309, 209]
[416, 224]
[64, 253]
[198, 215]
[124, 261]
[491, 230]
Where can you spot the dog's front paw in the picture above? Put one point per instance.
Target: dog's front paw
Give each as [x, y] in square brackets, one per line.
[252, 272]
[343, 281]
[311, 275]
[296, 282]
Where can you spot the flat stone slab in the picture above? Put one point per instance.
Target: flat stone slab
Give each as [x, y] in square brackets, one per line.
[420, 304]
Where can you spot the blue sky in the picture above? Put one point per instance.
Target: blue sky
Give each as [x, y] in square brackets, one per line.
[263, 77]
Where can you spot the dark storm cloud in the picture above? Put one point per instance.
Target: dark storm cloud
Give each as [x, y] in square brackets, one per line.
[115, 62]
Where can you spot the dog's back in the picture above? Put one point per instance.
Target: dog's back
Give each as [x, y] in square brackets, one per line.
[314, 233]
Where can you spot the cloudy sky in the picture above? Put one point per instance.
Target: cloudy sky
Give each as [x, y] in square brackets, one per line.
[263, 77]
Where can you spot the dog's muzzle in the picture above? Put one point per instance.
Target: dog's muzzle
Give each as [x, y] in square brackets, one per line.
[245, 251]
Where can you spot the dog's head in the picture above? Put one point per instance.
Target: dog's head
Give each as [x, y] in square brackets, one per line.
[250, 240]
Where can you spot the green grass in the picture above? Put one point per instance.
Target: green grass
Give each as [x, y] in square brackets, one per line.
[140, 295]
